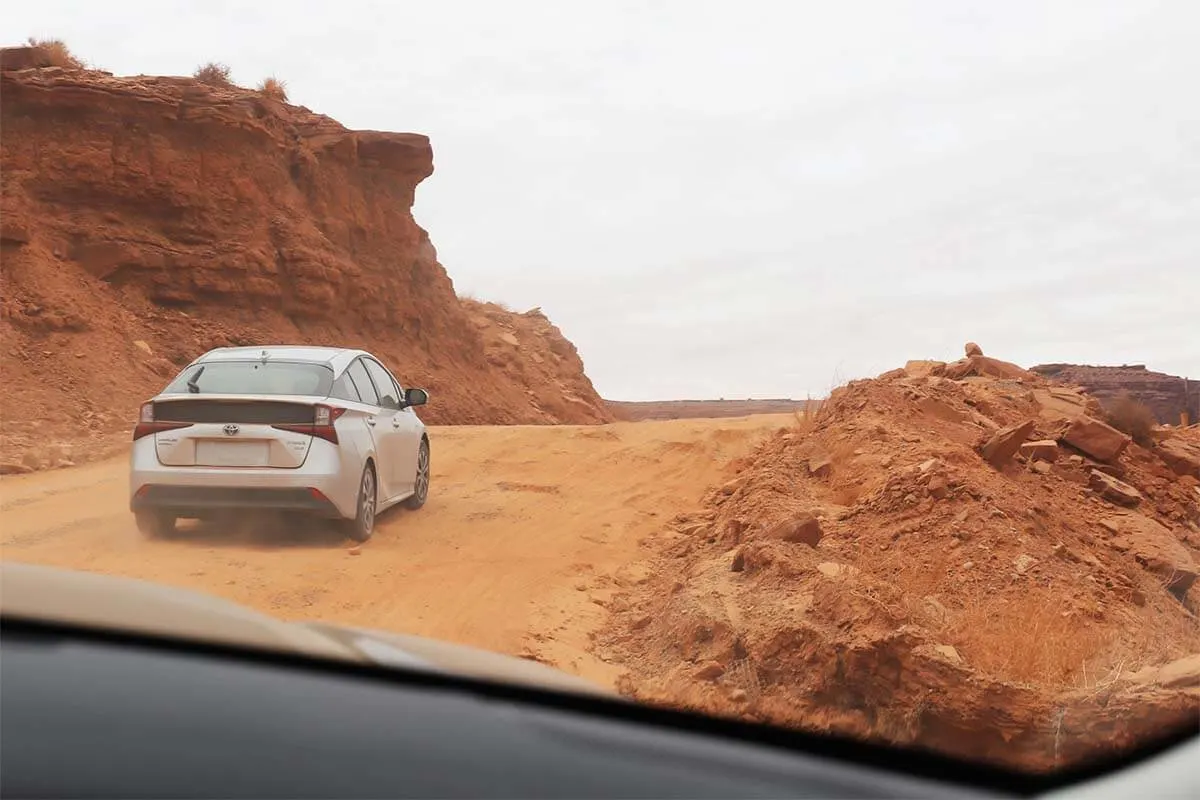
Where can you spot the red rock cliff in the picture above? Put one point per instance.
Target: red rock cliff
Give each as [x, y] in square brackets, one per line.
[182, 216]
[1165, 395]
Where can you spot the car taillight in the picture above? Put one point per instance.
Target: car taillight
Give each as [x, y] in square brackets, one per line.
[321, 426]
[146, 424]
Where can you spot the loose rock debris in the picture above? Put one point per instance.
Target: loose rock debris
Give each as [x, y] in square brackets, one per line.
[990, 554]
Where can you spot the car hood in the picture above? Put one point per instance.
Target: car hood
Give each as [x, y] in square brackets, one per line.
[50, 594]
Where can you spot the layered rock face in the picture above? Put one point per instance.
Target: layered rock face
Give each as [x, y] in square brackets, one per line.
[1165, 395]
[184, 216]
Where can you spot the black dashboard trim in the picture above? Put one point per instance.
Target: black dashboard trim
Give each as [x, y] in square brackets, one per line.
[909, 762]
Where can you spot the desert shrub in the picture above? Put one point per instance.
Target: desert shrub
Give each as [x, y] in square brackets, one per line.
[1132, 417]
[58, 53]
[274, 88]
[213, 74]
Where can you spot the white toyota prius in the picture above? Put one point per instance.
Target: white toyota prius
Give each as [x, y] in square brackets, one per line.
[323, 431]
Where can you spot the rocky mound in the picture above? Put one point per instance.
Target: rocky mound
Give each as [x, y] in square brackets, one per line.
[975, 564]
[148, 219]
[1165, 395]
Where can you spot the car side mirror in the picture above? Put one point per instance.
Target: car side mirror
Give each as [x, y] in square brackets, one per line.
[415, 397]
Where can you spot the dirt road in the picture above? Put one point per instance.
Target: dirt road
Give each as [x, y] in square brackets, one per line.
[528, 533]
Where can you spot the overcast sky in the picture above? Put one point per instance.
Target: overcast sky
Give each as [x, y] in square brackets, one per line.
[761, 199]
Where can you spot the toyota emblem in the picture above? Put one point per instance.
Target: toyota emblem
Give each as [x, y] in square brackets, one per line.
[231, 429]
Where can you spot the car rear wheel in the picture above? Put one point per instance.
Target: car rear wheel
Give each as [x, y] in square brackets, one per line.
[421, 484]
[363, 525]
[155, 523]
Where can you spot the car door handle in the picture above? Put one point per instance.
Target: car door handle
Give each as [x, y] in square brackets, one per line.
[371, 421]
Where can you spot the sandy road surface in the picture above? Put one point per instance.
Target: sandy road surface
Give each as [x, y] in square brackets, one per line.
[527, 533]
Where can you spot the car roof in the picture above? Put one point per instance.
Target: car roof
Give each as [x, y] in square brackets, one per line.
[335, 357]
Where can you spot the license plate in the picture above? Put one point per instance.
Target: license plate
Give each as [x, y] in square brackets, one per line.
[233, 454]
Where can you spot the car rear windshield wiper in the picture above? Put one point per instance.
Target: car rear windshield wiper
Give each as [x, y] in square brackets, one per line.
[194, 387]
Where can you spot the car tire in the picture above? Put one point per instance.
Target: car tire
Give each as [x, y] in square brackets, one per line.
[421, 484]
[154, 523]
[362, 525]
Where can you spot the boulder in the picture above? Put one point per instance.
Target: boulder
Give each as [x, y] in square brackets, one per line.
[1057, 404]
[948, 652]
[1040, 450]
[834, 570]
[1156, 548]
[938, 487]
[985, 367]
[920, 368]
[1003, 444]
[1098, 440]
[820, 465]
[1023, 563]
[1182, 457]
[972, 349]
[1181, 673]
[803, 528]
[1114, 490]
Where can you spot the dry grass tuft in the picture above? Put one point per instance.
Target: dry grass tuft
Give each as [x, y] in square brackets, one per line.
[213, 74]
[806, 417]
[1030, 639]
[1027, 639]
[273, 88]
[59, 54]
[1130, 416]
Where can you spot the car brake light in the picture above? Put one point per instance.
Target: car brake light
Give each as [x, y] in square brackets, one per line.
[146, 424]
[322, 425]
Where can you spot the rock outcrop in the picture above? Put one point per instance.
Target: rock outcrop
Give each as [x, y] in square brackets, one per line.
[1165, 395]
[148, 219]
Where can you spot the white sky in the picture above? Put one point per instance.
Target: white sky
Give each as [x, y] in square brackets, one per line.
[761, 199]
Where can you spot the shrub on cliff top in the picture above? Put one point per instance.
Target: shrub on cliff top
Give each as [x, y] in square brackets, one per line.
[214, 74]
[57, 52]
[273, 88]
[1129, 416]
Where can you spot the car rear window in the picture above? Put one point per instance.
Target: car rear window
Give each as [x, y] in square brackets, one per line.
[253, 377]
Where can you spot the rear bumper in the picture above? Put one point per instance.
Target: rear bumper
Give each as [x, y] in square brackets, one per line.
[198, 501]
[324, 485]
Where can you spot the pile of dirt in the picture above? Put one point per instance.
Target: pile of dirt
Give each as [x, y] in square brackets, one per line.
[633, 411]
[974, 564]
[148, 219]
[1167, 396]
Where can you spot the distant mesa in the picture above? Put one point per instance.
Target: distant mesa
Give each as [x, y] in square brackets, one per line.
[1167, 396]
